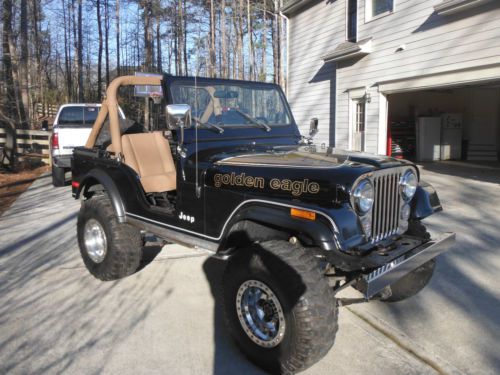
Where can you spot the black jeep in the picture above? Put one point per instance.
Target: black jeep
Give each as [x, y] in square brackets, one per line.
[227, 170]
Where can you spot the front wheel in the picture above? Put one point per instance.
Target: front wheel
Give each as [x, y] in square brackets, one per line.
[279, 307]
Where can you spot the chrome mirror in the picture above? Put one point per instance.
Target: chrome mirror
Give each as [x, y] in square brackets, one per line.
[178, 116]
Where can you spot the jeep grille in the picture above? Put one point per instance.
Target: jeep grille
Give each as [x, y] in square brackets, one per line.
[387, 204]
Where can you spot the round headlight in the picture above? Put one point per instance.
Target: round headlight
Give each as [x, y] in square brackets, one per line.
[363, 197]
[409, 184]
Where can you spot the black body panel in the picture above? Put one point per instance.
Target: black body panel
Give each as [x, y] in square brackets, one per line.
[247, 173]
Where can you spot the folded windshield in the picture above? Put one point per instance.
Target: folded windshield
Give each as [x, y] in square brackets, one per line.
[233, 104]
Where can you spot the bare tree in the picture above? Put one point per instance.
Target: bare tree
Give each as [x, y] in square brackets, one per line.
[23, 65]
[251, 49]
[8, 113]
[81, 95]
[118, 37]
[211, 67]
[99, 50]
[107, 25]
[224, 68]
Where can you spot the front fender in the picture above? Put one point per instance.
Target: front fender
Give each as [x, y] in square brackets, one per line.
[277, 215]
[425, 202]
[100, 177]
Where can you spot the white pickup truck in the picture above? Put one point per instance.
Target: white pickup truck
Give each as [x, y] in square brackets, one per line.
[71, 129]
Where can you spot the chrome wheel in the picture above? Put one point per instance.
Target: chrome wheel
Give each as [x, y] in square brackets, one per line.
[94, 238]
[260, 313]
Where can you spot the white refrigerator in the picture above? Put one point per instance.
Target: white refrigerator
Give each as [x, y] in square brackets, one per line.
[428, 138]
[451, 136]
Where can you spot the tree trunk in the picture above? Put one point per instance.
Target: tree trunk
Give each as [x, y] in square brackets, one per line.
[251, 51]
[263, 68]
[239, 41]
[211, 67]
[9, 101]
[224, 72]
[118, 37]
[99, 51]
[67, 53]
[159, 60]
[23, 66]
[184, 38]
[180, 35]
[81, 96]
[106, 37]
[40, 90]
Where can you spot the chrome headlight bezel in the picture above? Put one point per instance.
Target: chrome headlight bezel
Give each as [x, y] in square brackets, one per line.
[409, 184]
[363, 196]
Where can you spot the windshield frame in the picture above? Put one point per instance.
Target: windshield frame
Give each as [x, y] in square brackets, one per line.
[170, 80]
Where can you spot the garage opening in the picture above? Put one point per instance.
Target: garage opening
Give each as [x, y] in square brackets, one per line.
[459, 123]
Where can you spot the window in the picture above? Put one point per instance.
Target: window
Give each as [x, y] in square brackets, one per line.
[78, 115]
[232, 104]
[375, 8]
[358, 131]
[352, 21]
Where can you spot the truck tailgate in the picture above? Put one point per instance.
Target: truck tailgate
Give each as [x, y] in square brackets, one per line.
[72, 136]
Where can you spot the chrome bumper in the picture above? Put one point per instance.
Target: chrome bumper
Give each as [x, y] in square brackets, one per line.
[373, 282]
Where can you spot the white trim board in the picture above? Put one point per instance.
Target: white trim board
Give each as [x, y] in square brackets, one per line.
[453, 78]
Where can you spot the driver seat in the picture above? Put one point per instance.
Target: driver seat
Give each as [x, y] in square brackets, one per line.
[149, 155]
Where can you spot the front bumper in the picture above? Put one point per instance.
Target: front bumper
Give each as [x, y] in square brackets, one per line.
[374, 282]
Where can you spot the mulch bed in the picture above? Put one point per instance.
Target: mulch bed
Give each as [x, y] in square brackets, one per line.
[12, 185]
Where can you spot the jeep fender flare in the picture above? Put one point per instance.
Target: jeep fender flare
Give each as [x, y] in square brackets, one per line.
[322, 231]
[425, 202]
[99, 177]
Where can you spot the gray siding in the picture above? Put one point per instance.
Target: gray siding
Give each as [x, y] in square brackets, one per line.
[312, 33]
[434, 44]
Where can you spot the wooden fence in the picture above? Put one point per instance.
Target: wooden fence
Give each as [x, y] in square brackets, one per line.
[29, 142]
[46, 110]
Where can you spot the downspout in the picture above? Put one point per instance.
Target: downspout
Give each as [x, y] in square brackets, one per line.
[287, 50]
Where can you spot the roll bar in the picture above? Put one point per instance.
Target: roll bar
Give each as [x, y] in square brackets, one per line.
[110, 107]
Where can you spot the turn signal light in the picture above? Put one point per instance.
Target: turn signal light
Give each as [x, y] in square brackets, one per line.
[75, 184]
[303, 214]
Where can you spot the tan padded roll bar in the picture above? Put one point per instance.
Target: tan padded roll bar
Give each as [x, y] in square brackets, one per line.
[110, 107]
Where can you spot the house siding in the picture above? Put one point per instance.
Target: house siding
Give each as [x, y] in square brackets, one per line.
[311, 85]
[433, 44]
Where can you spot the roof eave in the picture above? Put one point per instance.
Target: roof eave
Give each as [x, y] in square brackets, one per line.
[359, 49]
[293, 6]
[454, 6]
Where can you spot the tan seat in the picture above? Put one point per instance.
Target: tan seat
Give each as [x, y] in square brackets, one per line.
[149, 155]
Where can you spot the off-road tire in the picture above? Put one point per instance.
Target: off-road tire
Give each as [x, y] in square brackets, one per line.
[58, 176]
[295, 277]
[416, 280]
[124, 242]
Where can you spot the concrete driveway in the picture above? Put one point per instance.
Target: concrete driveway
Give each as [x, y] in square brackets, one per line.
[165, 319]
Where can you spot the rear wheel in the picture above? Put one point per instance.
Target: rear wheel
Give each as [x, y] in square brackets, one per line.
[58, 176]
[279, 307]
[416, 280]
[110, 250]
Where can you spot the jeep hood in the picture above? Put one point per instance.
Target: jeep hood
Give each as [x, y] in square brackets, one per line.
[304, 157]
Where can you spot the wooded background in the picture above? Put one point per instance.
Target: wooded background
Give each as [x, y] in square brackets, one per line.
[59, 51]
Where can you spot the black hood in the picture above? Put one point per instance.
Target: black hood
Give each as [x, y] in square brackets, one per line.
[304, 172]
[304, 157]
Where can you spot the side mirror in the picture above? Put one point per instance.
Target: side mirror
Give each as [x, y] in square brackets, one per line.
[313, 127]
[179, 117]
